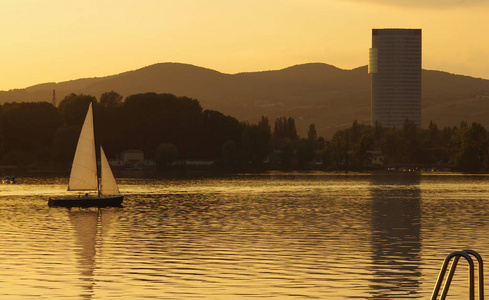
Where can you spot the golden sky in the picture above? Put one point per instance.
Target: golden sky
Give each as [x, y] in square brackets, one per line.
[59, 40]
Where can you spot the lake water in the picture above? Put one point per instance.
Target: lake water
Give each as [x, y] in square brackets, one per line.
[269, 236]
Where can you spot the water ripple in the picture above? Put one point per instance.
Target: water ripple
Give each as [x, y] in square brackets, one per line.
[275, 236]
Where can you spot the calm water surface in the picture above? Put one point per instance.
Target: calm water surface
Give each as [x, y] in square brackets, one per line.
[272, 236]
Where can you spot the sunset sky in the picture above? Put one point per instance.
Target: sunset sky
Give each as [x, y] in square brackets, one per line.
[59, 40]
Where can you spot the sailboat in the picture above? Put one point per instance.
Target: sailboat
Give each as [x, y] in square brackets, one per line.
[84, 174]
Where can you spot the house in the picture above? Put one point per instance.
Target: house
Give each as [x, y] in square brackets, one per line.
[132, 158]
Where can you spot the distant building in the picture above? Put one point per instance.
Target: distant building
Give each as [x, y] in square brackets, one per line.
[132, 158]
[395, 65]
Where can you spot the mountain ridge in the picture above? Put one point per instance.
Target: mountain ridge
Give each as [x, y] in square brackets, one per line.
[319, 93]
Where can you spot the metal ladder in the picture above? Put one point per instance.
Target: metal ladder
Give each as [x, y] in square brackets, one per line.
[455, 256]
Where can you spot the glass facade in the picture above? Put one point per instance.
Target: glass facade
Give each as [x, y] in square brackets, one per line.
[395, 67]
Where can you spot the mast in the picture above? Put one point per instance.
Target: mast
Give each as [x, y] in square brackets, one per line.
[97, 158]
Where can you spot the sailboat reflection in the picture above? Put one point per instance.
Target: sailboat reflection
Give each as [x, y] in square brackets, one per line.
[396, 236]
[87, 224]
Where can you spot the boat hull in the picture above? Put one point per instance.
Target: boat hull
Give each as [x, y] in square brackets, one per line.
[110, 201]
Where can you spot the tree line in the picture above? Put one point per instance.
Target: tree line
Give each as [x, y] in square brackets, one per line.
[37, 135]
[463, 148]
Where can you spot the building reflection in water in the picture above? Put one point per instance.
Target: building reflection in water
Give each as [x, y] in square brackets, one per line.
[396, 240]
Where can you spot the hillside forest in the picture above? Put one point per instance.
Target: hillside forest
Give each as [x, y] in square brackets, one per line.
[318, 93]
[167, 128]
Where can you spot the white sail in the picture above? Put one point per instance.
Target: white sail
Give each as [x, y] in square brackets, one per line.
[84, 170]
[108, 185]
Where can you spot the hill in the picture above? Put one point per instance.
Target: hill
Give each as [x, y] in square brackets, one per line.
[311, 93]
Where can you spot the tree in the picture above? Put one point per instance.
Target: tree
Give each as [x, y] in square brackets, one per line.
[411, 144]
[166, 153]
[473, 150]
[110, 123]
[64, 145]
[29, 127]
[256, 140]
[217, 129]
[320, 143]
[434, 140]
[378, 132]
[355, 132]
[284, 131]
[110, 100]
[326, 155]
[340, 148]
[311, 133]
[286, 153]
[305, 151]
[150, 119]
[392, 146]
[265, 124]
[361, 156]
[230, 153]
[433, 132]
[73, 108]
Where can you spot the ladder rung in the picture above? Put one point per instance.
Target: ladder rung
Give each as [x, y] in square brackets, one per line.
[454, 257]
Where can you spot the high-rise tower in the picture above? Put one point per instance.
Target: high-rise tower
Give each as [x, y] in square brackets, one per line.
[395, 65]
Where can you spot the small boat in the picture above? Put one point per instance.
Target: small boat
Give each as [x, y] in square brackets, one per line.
[84, 174]
[9, 180]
